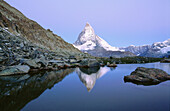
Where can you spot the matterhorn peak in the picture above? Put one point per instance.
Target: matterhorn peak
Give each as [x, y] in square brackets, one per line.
[87, 24]
[88, 40]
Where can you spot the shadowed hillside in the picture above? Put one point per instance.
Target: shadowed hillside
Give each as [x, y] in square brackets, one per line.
[15, 22]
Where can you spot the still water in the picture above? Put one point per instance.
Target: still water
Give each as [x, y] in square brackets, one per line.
[97, 89]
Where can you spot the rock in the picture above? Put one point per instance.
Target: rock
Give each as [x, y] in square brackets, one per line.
[147, 76]
[66, 65]
[60, 65]
[112, 65]
[89, 63]
[56, 63]
[42, 62]
[102, 65]
[18, 69]
[72, 57]
[72, 61]
[31, 63]
[108, 63]
[14, 78]
[75, 65]
[165, 61]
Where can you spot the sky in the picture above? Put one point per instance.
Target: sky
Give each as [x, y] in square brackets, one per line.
[120, 22]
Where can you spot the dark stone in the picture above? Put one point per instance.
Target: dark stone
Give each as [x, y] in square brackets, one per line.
[111, 65]
[147, 76]
[18, 69]
[31, 63]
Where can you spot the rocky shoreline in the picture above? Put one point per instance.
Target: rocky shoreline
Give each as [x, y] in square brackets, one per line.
[165, 61]
[19, 56]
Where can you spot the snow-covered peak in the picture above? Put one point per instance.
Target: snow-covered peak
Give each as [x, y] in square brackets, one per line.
[86, 35]
[167, 42]
[157, 47]
[160, 45]
[164, 47]
[88, 40]
[88, 26]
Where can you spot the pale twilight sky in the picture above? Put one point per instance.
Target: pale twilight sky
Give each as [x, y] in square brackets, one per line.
[119, 22]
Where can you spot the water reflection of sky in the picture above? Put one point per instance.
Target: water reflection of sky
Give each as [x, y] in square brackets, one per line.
[109, 92]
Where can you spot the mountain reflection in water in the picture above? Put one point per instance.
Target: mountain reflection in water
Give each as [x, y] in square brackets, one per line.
[31, 92]
[88, 76]
[17, 91]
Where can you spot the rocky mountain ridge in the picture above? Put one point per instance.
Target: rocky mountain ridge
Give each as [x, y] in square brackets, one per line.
[157, 49]
[91, 43]
[19, 56]
[26, 47]
[16, 23]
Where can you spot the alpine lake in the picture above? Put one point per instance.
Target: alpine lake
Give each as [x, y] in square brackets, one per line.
[79, 89]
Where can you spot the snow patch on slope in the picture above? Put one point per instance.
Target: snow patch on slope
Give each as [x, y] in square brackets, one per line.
[88, 45]
[165, 49]
[105, 45]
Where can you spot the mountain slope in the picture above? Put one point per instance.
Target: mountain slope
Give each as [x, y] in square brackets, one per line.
[15, 22]
[101, 52]
[89, 42]
[137, 50]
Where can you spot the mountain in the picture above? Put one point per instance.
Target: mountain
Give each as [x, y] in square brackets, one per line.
[91, 43]
[137, 50]
[163, 47]
[158, 49]
[16, 23]
[101, 52]
[88, 40]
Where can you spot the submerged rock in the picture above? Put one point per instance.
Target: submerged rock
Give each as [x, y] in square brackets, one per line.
[147, 76]
[18, 69]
